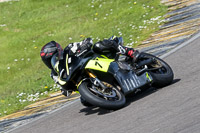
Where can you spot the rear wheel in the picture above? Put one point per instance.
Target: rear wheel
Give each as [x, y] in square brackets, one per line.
[111, 98]
[160, 71]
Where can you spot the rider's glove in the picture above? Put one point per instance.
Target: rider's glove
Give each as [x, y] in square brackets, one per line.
[54, 76]
[132, 53]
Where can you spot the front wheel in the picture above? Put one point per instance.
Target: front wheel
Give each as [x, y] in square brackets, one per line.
[84, 102]
[160, 71]
[112, 98]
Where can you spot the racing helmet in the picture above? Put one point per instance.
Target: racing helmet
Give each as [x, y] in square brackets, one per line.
[49, 50]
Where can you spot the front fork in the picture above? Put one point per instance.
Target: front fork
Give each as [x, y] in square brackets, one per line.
[96, 81]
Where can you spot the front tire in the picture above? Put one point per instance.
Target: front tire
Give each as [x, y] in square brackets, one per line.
[117, 102]
[84, 102]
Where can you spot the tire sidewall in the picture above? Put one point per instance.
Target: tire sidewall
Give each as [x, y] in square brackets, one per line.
[161, 80]
[100, 102]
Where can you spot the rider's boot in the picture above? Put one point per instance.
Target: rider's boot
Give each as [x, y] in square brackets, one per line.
[134, 54]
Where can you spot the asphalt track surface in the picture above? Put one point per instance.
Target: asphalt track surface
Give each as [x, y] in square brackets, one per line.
[172, 109]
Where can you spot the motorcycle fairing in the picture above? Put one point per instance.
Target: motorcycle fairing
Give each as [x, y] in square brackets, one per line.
[72, 66]
[128, 80]
[99, 64]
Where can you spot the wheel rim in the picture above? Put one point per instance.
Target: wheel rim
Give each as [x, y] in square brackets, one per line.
[111, 93]
[158, 67]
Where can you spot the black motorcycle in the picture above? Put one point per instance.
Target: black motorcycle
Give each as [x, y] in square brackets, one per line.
[104, 81]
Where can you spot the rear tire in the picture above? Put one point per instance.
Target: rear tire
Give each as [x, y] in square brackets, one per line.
[163, 76]
[95, 99]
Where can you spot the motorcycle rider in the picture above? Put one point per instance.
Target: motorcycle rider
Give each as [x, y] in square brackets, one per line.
[78, 49]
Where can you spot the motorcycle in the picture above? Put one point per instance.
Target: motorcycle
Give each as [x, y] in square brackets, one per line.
[105, 82]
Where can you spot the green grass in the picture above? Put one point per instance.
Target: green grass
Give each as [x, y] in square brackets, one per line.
[27, 25]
